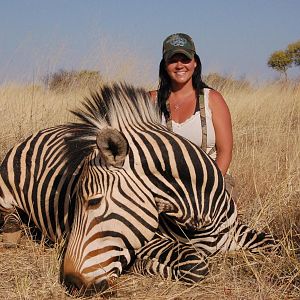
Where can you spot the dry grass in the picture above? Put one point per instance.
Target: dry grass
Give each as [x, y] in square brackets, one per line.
[27, 109]
[266, 165]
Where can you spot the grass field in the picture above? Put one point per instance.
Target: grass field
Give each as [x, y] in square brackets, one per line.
[266, 166]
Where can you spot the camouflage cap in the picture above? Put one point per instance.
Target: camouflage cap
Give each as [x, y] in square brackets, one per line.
[178, 43]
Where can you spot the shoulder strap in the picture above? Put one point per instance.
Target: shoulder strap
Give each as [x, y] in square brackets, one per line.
[168, 120]
[203, 125]
[203, 121]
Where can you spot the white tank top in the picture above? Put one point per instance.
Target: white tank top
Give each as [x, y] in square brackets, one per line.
[191, 129]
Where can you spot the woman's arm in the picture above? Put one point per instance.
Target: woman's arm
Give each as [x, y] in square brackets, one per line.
[223, 130]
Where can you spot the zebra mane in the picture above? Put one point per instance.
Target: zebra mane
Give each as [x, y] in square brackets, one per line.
[116, 104]
[113, 105]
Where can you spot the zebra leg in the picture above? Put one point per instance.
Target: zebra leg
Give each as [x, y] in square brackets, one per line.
[171, 260]
[11, 229]
[243, 237]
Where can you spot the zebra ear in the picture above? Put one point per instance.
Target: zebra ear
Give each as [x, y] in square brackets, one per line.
[113, 146]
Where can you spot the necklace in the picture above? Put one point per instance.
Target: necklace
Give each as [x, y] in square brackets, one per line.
[183, 101]
[178, 106]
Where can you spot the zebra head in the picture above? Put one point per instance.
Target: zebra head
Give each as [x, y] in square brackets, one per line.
[133, 169]
[114, 216]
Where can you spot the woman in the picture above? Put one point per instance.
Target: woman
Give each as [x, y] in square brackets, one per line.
[189, 107]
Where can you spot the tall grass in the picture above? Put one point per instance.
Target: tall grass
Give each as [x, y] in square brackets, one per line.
[26, 109]
[266, 160]
[266, 167]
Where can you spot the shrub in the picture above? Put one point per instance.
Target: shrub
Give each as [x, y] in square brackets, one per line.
[280, 61]
[228, 83]
[63, 80]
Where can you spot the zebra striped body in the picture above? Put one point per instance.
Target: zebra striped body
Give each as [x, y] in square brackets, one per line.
[36, 180]
[180, 254]
[105, 181]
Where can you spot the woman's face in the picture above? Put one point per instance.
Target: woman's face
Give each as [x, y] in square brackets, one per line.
[180, 68]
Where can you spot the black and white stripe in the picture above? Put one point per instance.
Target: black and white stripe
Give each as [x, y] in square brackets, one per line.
[104, 182]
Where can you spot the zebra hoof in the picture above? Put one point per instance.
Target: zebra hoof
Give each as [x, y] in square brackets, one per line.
[11, 239]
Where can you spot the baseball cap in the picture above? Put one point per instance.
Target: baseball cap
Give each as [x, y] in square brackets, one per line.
[178, 43]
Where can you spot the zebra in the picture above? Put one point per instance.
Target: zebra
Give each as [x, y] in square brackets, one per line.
[124, 190]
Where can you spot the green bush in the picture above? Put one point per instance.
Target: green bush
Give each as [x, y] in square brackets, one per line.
[280, 61]
[294, 51]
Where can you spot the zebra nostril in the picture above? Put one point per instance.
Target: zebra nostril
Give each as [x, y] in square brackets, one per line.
[74, 285]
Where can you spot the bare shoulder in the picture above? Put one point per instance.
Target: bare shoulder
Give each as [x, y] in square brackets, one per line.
[215, 97]
[216, 101]
[153, 95]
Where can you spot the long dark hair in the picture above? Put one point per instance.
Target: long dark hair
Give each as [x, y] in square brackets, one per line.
[164, 87]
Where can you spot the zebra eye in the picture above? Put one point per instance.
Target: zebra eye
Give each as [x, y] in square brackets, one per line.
[94, 201]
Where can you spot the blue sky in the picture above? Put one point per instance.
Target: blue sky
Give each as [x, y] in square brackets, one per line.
[123, 38]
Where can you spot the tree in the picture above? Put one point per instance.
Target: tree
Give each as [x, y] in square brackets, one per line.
[294, 51]
[280, 61]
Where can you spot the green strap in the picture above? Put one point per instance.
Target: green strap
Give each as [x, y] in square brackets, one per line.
[203, 121]
[168, 120]
[204, 125]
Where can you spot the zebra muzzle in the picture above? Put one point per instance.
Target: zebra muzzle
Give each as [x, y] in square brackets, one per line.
[77, 288]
